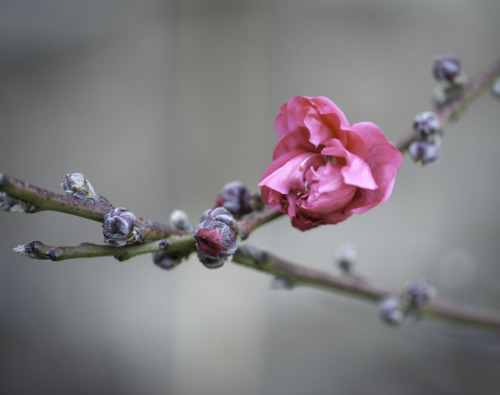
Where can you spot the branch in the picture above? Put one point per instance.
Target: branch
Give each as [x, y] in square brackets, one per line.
[39, 250]
[43, 200]
[473, 89]
[295, 275]
[252, 221]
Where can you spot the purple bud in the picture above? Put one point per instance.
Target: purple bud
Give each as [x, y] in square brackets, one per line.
[390, 311]
[119, 227]
[426, 124]
[416, 294]
[235, 197]
[78, 186]
[446, 67]
[424, 152]
[216, 237]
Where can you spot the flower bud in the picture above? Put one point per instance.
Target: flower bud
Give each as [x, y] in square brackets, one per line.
[446, 67]
[119, 227]
[216, 237]
[166, 260]
[235, 197]
[78, 186]
[390, 311]
[179, 220]
[416, 294]
[346, 256]
[426, 124]
[424, 152]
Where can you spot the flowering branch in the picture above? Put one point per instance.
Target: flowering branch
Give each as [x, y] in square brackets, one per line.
[293, 275]
[309, 172]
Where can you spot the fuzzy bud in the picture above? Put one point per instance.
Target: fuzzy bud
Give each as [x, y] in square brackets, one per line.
[346, 256]
[119, 227]
[424, 152]
[416, 294]
[179, 220]
[235, 197]
[446, 67]
[426, 124]
[78, 186]
[216, 237]
[390, 311]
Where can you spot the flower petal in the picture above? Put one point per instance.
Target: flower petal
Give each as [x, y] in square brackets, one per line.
[384, 160]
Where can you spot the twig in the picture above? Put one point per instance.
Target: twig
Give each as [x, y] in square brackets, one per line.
[44, 200]
[448, 112]
[252, 221]
[296, 275]
[39, 250]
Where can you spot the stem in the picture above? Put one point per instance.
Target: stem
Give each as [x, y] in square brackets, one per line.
[252, 221]
[474, 88]
[39, 250]
[297, 275]
[45, 200]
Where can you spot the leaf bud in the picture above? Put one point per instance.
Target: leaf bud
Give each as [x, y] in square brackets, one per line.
[76, 185]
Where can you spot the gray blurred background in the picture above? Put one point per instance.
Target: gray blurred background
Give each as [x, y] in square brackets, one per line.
[159, 104]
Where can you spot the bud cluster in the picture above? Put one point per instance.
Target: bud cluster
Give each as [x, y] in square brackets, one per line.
[120, 227]
[396, 310]
[425, 149]
[451, 80]
[216, 237]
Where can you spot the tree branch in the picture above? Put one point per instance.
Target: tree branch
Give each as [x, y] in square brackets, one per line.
[475, 87]
[39, 250]
[296, 275]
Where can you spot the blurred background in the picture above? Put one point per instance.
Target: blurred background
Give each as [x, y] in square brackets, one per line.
[160, 103]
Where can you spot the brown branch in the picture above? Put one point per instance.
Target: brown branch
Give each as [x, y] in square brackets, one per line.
[296, 275]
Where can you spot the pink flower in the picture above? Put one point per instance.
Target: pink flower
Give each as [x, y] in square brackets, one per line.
[324, 170]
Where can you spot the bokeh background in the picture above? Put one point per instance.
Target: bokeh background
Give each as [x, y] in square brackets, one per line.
[160, 103]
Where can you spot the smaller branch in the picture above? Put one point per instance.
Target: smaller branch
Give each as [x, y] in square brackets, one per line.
[252, 221]
[474, 88]
[296, 275]
[39, 250]
[45, 200]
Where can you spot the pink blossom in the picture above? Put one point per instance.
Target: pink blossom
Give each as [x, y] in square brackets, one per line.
[324, 170]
